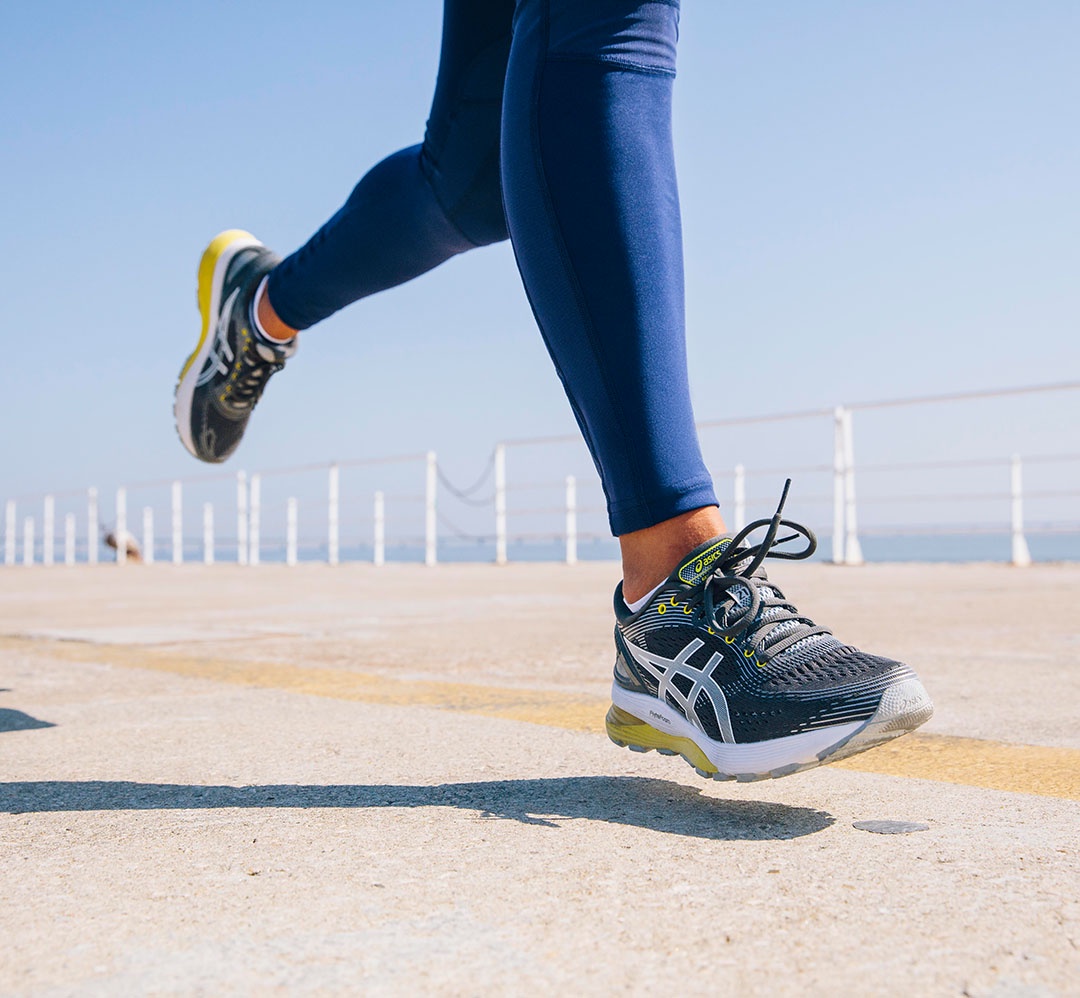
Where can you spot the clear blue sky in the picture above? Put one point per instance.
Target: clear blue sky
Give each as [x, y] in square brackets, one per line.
[880, 199]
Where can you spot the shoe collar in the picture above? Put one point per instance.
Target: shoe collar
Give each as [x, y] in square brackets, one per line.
[694, 568]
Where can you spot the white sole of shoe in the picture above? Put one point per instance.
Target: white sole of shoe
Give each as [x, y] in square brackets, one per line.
[642, 723]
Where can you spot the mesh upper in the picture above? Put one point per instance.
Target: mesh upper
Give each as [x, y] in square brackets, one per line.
[835, 665]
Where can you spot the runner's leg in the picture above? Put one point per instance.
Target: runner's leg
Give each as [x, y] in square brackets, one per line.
[592, 204]
[589, 176]
[423, 204]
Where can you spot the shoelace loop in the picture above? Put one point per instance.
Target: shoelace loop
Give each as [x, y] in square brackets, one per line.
[738, 567]
[255, 372]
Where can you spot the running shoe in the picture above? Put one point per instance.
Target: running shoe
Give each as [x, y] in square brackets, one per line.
[223, 379]
[721, 668]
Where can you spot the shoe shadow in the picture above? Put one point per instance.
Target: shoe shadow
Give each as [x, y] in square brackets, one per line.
[16, 720]
[622, 800]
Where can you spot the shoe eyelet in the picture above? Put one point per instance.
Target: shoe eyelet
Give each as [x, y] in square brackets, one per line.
[748, 653]
[728, 641]
[687, 609]
[662, 608]
[710, 630]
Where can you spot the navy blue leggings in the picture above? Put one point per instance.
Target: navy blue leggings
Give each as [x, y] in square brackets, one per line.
[551, 124]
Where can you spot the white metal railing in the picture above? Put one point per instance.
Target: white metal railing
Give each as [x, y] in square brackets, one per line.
[560, 511]
[847, 527]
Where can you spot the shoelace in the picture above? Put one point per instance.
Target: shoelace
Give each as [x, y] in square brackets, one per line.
[256, 370]
[738, 567]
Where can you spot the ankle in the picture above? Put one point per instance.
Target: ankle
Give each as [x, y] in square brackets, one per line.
[267, 320]
[649, 556]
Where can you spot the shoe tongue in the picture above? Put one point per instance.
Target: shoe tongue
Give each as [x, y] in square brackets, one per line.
[700, 562]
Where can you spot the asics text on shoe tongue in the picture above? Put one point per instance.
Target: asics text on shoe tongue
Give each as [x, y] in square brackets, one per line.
[700, 563]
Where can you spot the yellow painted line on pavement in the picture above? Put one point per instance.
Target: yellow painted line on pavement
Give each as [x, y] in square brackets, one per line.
[974, 762]
[553, 708]
[1029, 769]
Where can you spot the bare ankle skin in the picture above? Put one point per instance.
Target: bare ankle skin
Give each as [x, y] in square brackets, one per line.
[268, 319]
[649, 556]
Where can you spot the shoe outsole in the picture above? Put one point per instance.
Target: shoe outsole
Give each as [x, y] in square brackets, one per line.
[212, 269]
[902, 709]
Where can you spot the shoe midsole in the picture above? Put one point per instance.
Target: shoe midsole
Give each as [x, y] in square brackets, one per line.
[735, 758]
[226, 246]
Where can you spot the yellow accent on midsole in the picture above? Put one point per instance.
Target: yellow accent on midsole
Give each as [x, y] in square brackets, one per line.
[209, 260]
[628, 730]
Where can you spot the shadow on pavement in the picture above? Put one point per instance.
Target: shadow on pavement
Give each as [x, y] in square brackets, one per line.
[625, 800]
[16, 720]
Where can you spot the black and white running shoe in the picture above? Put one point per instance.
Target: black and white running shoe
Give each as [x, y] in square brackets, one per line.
[721, 668]
[225, 376]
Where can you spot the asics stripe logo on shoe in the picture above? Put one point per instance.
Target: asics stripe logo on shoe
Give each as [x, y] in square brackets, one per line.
[701, 684]
[221, 354]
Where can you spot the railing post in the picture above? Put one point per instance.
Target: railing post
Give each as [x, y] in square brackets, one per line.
[254, 518]
[379, 551]
[48, 529]
[290, 531]
[332, 512]
[740, 499]
[120, 531]
[28, 541]
[1020, 554]
[177, 523]
[148, 535]
[500, 504]
[852, 548]
[430, 537]
[9, 533]
[93, 526]
[69, 539]
[208, 533]
[241, 518]
[838, 487]
[571, 520]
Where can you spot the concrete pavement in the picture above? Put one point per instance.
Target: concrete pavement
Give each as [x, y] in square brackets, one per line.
[331, 780]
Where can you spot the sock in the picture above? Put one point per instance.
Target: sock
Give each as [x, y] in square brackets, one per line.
[253, 315]
[639, 603]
